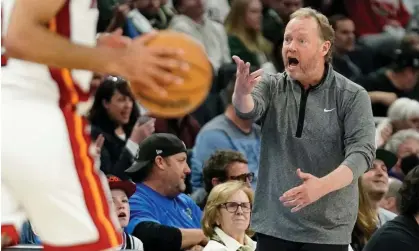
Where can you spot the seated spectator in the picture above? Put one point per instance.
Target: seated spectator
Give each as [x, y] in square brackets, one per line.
[243, 26]
[193, 21]
[222, 166]
[121, 191]
[114, 115]
[391, 200]
[154, 10]
[402, 114]
[366, 221]
[402, 233]
[403, 144]
[186, 128]
[140, 16]
[226, 219]
[375, 183]
[120, 20]
[344, 60]
[399, 80]
[226, 132]
[277, 17]
[162, 216]
[379, 24]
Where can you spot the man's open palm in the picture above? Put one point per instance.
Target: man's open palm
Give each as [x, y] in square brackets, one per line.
[245, 81]
[303, 195]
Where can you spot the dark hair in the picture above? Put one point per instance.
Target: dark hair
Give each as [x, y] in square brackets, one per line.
[408, 163]
[217, 164]
[98, 116]
[410, 193]
[176, 4]
[404, 57]
[333, 20]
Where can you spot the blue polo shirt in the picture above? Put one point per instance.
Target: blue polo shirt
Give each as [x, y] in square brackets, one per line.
[148, 205]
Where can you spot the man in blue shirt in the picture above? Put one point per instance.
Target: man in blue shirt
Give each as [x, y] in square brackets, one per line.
[162, 217]
[226, 132]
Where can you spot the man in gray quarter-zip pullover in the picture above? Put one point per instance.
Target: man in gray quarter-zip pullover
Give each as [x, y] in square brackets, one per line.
[317, 140]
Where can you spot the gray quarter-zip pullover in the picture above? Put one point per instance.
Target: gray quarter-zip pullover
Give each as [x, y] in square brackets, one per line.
[315, 130]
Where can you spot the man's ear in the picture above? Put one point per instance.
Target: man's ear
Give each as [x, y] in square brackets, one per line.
[105, 103]
[159, 162]
[326, 47]
[391, 202]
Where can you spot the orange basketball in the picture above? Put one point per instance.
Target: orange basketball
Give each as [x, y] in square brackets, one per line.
[185, 98]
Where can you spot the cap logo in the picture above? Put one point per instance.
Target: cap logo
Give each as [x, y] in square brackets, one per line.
[113, 179]
[158, 151]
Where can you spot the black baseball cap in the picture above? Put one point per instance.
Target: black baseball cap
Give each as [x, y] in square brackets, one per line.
[389, 158]
[158, 144]
[407, 57]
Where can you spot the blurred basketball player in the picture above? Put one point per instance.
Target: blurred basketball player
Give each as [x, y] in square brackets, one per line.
[47, 171]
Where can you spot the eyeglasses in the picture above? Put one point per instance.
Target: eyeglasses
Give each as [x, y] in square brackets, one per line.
[232, 207]
[113, 79]
[245, 177]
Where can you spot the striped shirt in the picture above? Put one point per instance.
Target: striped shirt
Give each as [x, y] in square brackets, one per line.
[131, 242]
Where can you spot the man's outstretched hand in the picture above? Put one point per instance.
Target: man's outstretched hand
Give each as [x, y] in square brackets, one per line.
[303, 195]
[245, 81]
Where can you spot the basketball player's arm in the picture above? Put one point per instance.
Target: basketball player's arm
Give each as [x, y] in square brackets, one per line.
[29, 38]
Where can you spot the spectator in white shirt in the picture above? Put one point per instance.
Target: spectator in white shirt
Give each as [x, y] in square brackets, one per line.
[226, 218]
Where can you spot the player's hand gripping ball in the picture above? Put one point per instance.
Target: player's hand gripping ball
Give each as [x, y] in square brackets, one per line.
[184, 98]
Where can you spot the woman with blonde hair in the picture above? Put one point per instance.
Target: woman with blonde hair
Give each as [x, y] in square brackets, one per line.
[366, 222]
[226, 218]
[243, 26]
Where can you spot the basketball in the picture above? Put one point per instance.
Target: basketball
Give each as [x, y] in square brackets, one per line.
[184, 98]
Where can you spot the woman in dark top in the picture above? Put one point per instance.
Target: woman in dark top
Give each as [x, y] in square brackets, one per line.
[115, 116]
[245, 38]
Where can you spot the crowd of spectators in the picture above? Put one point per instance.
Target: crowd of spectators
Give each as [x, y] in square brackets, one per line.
[180, 166]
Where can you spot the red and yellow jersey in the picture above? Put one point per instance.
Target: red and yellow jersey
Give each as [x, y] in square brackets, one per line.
[76, 21]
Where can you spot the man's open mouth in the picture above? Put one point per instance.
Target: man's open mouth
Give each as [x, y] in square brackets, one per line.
[122, 215]
[292, 61]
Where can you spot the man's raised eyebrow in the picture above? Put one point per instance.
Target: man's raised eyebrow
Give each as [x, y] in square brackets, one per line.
[303, 33]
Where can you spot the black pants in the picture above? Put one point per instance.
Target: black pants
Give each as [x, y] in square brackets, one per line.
[269, 243]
